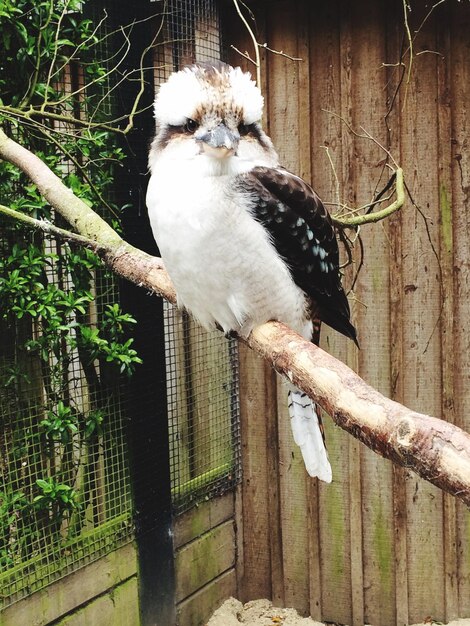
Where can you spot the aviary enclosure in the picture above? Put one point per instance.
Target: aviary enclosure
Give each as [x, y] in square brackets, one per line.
[151, 499]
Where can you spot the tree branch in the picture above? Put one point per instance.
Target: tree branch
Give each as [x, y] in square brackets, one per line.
[376, 216]
[436, 450]
[137, 266]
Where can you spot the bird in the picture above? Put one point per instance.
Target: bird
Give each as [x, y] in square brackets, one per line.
[244, 240]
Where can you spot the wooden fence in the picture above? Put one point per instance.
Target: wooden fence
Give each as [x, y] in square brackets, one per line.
[378, 545]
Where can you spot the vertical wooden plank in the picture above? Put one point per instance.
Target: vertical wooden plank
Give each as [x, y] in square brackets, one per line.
[446, 263]
[291, 140]
[283, 83]
[348, 178]
[460, 99]
[334, 519]
[294, 510]
[260, 519]
[393, 39]
[370, 482]
[314, 550]
[273, 434]
[305, 171]
[304, 136]
[422, 301]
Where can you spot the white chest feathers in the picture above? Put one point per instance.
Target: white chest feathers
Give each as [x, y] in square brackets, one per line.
[224, 267]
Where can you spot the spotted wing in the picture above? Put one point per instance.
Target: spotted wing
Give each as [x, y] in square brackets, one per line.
[303, 234]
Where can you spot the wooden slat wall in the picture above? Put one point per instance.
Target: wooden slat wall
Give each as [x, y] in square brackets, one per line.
[205, 556]
[378, 545]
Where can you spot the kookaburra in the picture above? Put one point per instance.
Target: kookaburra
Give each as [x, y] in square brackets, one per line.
[243, 240]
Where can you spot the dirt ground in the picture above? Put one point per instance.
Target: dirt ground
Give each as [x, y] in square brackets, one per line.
[262, 613]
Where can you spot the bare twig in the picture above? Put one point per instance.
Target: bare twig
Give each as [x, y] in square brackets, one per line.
[369, 216]
[333, 169]
[376, 216]
[245, 54]
[280, 53]
[37, 58]
[410, 48]
[49, 228]
[364, 135]
[56, 50]
[255, 42]
[256, 45]
[36, 114]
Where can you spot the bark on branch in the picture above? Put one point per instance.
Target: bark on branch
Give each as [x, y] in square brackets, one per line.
[436, 450]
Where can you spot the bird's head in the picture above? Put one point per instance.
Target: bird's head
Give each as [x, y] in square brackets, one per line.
[210, 111]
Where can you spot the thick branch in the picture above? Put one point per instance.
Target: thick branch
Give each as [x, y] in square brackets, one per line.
[78, 214]
[93, 232]
[434, 449]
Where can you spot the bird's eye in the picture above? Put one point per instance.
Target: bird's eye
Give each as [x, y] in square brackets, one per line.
[244, 129]
[191, 125]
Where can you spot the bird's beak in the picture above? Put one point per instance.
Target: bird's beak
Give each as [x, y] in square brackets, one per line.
[219, 142]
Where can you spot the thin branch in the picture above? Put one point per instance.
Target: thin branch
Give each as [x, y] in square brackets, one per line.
[358, 265]
[49, 228]
[255, 42]
[125, 47]
[368, 218]
[280, 53]
[335, 175]
[365, 207]
[37, 58]
[410, 48]
[439, 54]
[56, 50]
[245, 54]
[52, 74]
[364, 135]
[81, 168]
[33, 113]
[140, 93]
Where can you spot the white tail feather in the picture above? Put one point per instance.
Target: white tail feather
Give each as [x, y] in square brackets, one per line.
[308, 436]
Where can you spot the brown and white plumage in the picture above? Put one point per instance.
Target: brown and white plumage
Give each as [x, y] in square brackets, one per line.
[244, 240]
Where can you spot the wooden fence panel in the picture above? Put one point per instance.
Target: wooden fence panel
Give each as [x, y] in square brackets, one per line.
[359, 550]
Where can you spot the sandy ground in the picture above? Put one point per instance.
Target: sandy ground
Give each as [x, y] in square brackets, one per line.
[262, 613]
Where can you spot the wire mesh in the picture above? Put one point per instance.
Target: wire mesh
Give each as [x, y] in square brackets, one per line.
[202, 367]
[64, 488]
[202, 387]
[65, 492]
